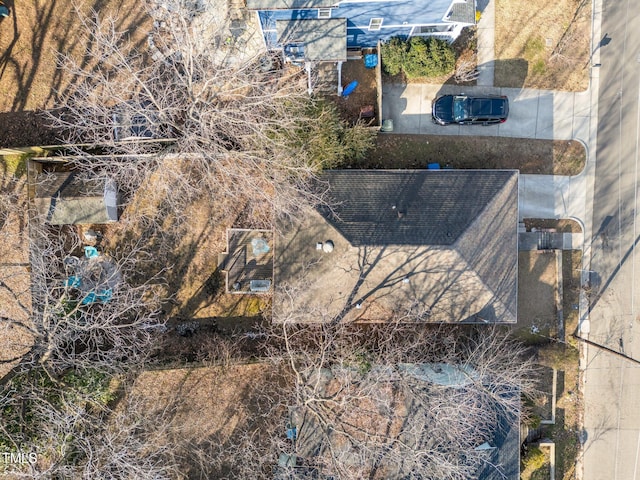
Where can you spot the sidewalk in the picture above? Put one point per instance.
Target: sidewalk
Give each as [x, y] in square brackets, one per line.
[486, 42]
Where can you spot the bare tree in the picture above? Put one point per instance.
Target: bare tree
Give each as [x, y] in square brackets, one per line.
[466, 70]
[401, 401]
[234, 117]
[69, 431]
[84, 312]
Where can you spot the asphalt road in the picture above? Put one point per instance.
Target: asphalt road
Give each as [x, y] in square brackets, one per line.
[612, 388]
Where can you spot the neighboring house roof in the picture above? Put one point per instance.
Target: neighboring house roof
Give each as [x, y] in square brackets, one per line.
[439, 246]
[400, 18]
[357, 422]
[288, 4]
[323, 40]
[504, 452]
[62, 198]
[463, 12]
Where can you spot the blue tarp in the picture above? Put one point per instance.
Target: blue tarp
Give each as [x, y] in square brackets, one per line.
[371, 60]
[102, 297]
[73, 282]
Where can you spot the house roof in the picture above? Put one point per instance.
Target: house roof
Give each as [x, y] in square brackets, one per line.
[62, 198]
[504, 452]
[288, 4]
[379, 208]
[360, 420]
[324, 40]
[398, 17]
[440, 246]
[463, 12]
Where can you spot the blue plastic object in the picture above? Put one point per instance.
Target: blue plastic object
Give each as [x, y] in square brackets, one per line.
[89, 299]
[371, 60]
[73, 282]
[433, 166]
[348, 90]
[292, 433]
[102, 297]
[90, 252]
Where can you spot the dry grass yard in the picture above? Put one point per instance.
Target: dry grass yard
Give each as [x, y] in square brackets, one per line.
[30, 39]
[15, 292]
[536, 295]
[543, 44]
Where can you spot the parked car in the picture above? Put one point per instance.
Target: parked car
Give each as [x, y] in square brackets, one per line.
[470, 110]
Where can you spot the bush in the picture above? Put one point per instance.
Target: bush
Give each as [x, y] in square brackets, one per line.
[329, 142]
[534, 459]
[393, 55]
[418, 57]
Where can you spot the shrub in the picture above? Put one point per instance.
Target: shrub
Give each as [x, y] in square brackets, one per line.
[393, 55]
[329, 141]
[534, 459]
[418, 57]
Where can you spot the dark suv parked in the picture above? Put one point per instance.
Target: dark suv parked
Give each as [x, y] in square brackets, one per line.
[466, 110]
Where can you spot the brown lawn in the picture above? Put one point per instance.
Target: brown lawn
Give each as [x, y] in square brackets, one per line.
[15, 279]
[30, 39]
[543, 44]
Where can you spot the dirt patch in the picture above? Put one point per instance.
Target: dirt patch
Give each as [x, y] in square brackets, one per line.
[543, 44]
[537, 279]
[25, 129]
[528, 156]
[365, 94]
[207, 411]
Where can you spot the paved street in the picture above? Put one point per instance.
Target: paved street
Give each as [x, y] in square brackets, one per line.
[612, 388]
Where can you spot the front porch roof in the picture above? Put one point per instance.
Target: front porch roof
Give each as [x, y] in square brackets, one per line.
[324, 40]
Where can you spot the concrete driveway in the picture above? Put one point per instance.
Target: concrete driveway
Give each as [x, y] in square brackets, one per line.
[543, 114]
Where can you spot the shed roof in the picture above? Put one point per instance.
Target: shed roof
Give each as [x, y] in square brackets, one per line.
[323, 39]
[62, 198]
[448, 250]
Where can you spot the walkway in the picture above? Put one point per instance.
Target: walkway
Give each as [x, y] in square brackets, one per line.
[486, 43]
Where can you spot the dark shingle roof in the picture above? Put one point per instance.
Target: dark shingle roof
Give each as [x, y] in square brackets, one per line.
[448, 250]
[463, 12]
[416, 207]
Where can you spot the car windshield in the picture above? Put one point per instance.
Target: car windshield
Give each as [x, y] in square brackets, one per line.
[460, 109]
